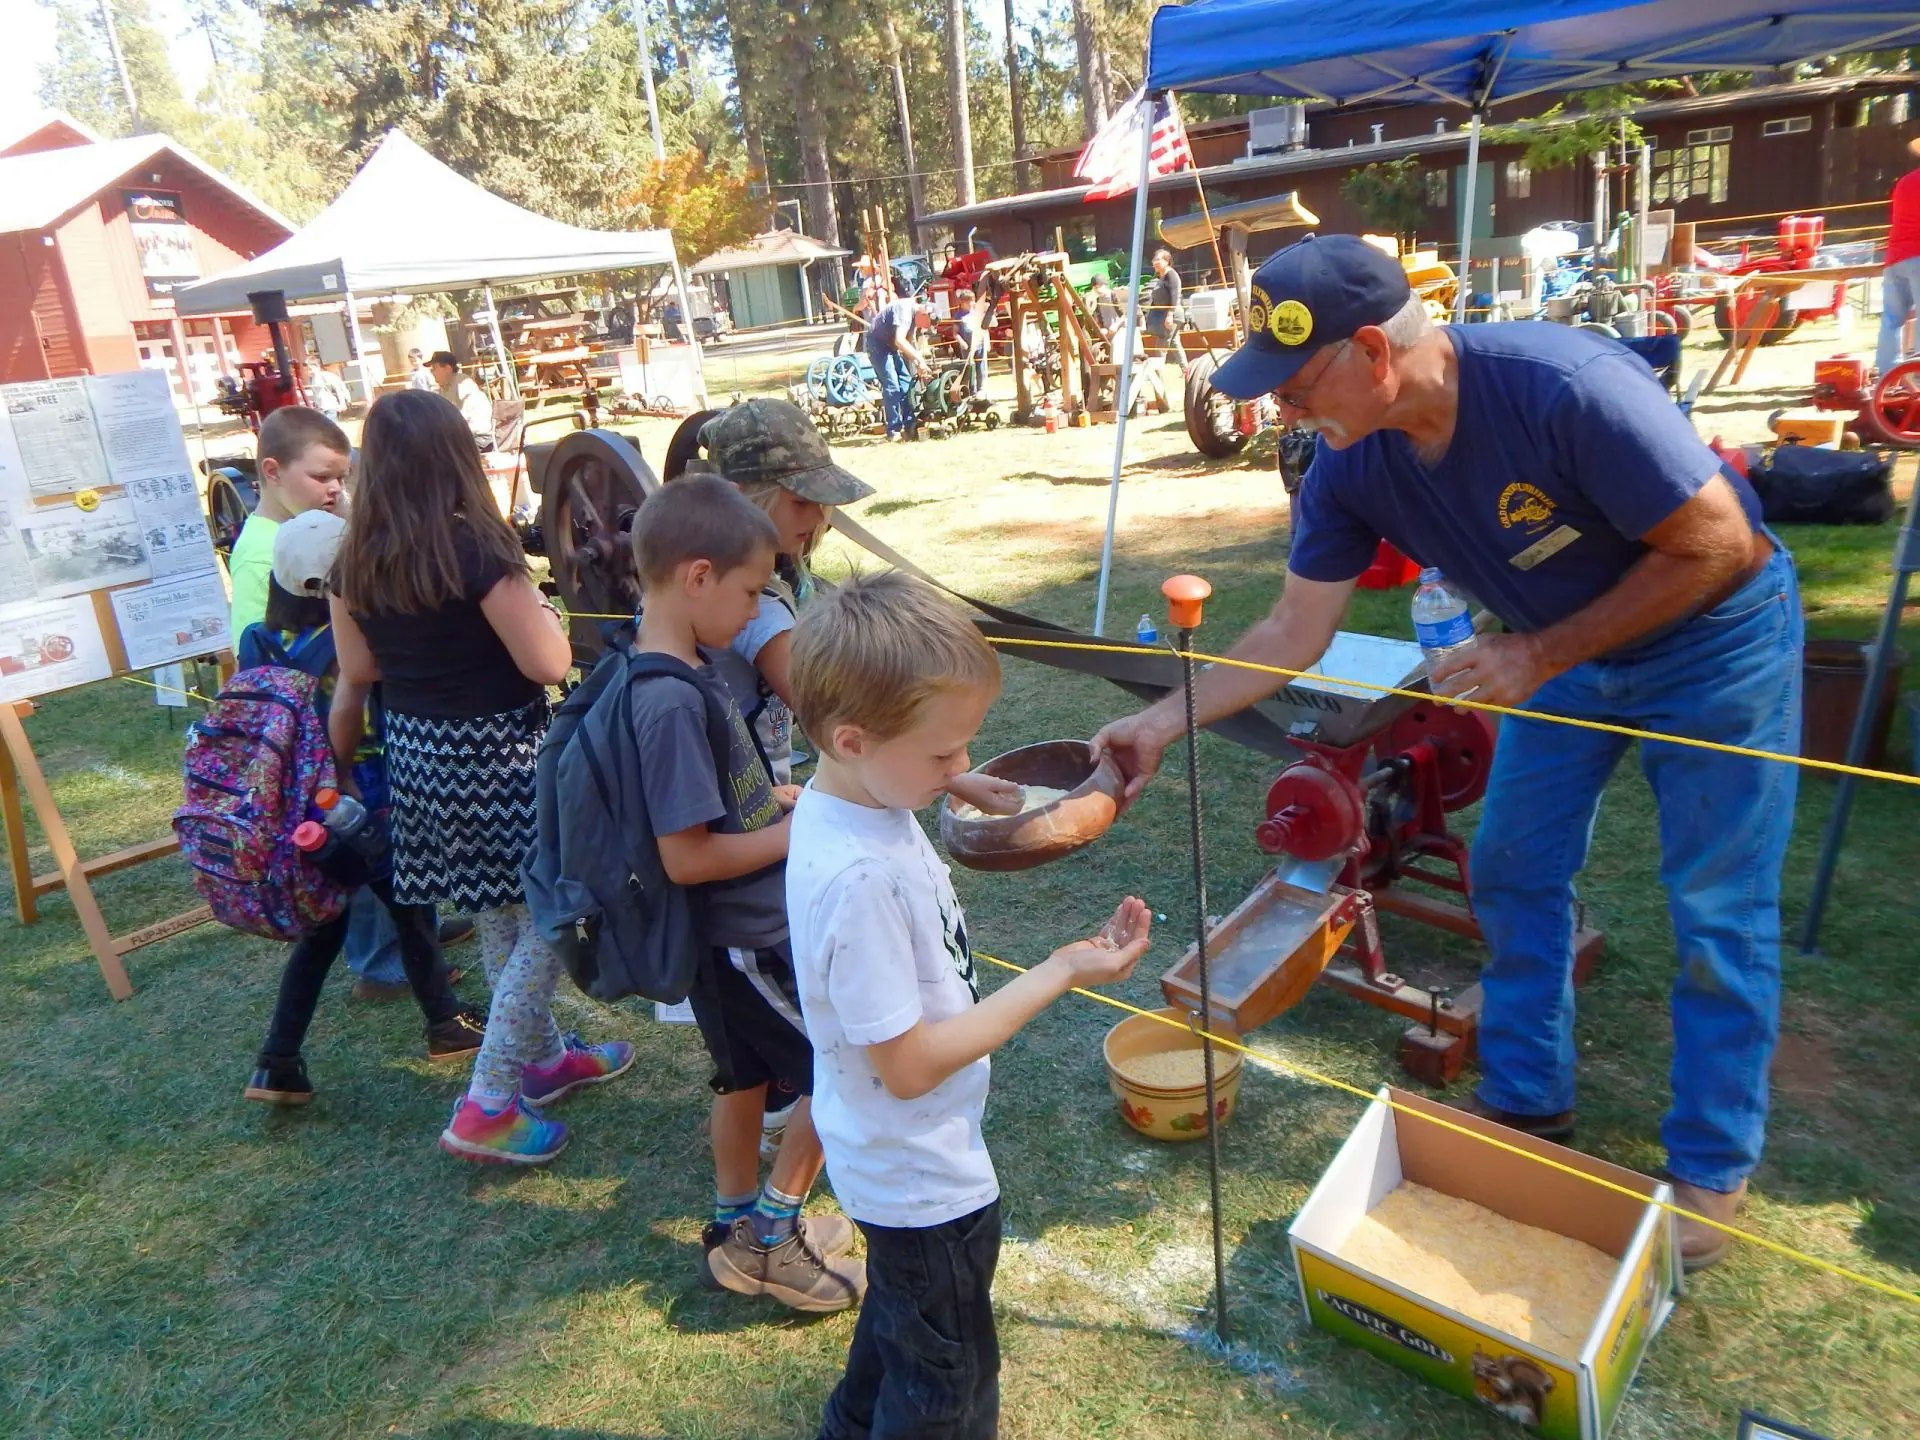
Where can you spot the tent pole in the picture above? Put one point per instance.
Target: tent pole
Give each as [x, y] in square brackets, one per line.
[1465, 288]
[353, 335]
[507, 369]
[1129, 343]
[1640, 222]
[693, 335]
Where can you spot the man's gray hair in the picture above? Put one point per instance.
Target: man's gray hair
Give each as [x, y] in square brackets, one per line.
[1407, 324]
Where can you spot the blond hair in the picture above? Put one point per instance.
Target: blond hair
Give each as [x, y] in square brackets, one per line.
[874, 650]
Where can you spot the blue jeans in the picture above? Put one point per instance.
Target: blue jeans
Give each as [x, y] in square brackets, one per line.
[1899, 290]
[891, 366]
[1731, 675]
[373, 944]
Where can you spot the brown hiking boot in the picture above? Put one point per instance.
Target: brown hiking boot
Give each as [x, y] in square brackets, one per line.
[1557, 1128]
[1702, 1245]
[794, 1272]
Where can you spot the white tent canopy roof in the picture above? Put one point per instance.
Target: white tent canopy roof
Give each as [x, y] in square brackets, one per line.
[409, 223]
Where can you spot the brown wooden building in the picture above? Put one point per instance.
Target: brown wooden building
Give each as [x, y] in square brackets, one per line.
[1719, 160]
[94, 236]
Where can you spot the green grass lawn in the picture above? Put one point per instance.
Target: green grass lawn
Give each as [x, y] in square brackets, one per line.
[178, 1262]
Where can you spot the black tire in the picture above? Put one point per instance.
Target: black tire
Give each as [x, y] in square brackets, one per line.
[1209, 413]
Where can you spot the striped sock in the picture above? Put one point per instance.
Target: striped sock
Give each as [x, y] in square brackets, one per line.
[729, 1208]
[775, 1214]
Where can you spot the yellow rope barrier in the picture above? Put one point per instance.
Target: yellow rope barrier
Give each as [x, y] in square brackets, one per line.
[1301, 1072]
[1807, 762]
[168, 689]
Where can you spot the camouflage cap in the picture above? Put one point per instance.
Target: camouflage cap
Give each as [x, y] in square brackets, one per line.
[772, 442]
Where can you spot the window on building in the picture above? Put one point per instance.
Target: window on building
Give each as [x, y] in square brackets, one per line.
[1519, 180]
[1082, 240]
[1697, 170]
[1436, 187]
[1791, 125]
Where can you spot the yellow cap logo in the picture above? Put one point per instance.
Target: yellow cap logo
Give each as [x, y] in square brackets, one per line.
[1290, 323]
[1257, 310]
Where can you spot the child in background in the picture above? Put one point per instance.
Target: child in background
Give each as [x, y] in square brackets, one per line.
[295, 635]
[433, 602]
[302, 465]
[705, 554]
[892, 684]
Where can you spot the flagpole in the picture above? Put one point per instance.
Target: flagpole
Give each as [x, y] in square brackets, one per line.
[1123, 403]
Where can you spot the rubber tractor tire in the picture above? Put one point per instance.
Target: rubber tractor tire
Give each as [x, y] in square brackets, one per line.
[1210, 422]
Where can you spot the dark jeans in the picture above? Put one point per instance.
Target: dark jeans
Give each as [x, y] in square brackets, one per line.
[313, 955]
[924, 1363]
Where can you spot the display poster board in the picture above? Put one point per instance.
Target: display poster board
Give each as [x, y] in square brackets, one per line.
[106, 567]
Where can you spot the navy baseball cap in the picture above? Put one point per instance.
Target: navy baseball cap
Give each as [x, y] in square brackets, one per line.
[1313, 294]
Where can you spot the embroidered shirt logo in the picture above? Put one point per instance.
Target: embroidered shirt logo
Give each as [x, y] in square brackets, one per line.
[1526, 506]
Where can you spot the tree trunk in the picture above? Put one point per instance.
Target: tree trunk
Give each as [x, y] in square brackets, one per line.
[1086, 54]
[957, 92]
[823, 219]
[677, 37]
[746, 83]
[120, 65]
[1014, 99]
[916, 196]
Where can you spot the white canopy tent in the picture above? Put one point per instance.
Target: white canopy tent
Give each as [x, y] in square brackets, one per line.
[407, 223]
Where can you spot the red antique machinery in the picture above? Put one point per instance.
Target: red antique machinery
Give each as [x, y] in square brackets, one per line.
[233, 488]
[1886, 408]
[1359, 824]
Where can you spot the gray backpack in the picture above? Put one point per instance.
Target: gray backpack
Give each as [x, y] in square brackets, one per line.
[595, 885]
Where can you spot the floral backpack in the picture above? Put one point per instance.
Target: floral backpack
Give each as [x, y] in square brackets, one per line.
[254, 763]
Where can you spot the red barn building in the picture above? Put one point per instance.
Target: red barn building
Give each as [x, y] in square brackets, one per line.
[94, 237]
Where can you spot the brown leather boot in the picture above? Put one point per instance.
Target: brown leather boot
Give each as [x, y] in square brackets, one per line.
[1557, 1128]
[1702, 1245]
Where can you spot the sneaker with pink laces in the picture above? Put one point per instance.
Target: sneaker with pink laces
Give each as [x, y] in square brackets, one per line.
[582, 1064]
[516, 1136]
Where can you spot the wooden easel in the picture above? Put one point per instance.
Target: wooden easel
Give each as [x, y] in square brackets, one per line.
[20, 771]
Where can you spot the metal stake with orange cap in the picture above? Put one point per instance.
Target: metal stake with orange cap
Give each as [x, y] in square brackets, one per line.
[1186, 602]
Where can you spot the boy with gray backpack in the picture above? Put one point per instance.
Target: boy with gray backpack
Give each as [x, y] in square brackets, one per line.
[660, 870]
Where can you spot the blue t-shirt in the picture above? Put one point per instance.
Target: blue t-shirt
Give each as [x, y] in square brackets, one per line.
[1565, 452]
[894, 317]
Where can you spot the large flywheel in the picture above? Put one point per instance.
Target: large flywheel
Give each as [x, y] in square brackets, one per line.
[591, 488]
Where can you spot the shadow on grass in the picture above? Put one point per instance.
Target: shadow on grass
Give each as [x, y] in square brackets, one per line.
[513, 1430]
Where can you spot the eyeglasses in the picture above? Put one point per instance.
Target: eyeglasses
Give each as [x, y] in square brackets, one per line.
[1302, 399]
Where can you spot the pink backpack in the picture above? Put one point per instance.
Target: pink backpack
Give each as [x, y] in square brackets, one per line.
[254, 763]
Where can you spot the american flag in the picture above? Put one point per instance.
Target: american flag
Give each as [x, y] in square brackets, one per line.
[1111, 160]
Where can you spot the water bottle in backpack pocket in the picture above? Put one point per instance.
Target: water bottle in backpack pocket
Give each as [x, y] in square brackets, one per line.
[255, 765]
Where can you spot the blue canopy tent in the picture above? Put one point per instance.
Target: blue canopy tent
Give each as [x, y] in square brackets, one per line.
[1474, 53]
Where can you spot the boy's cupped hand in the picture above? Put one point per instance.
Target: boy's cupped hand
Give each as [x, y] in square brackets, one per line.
[1109, 955]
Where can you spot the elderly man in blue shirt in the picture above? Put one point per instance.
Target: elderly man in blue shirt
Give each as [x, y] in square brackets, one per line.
[1546, 473]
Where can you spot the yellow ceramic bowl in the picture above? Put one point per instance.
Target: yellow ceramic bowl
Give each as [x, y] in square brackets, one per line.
[1163, 1111]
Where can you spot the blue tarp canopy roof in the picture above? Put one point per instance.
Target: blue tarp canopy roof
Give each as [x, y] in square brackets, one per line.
[1476, 53]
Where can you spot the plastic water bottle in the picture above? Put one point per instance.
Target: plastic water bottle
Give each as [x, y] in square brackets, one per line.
[1145, 633]
[1440, 618]
[348, 822]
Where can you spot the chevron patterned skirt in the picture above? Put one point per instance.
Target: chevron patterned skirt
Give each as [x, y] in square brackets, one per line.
[463, 805]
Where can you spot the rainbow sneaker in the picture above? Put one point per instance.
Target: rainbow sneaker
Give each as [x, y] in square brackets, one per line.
[516, 1136]
[582, 1065]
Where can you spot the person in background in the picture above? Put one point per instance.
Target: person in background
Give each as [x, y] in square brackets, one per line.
[295, 635]
[326, 390]
[1163, 301]
[418, 376]
[463, 392]
[1108, 313]
[972, 324]
[433, 603]
[898, 361]
[1900, 281]
[302, 465]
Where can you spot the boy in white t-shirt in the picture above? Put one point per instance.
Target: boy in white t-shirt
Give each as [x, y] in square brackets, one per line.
[892, 683]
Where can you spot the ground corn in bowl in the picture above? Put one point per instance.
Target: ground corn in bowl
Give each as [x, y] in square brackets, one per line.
[1156, 1072]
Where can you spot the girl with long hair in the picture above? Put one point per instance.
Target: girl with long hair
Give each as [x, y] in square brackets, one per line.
[432, 600]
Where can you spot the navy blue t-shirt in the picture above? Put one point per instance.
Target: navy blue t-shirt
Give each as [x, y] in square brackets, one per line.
[1565, 452]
